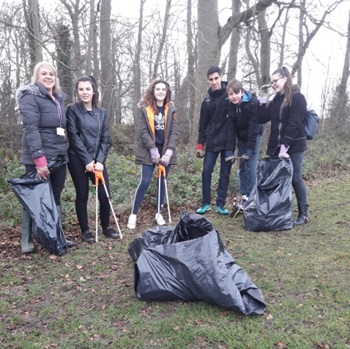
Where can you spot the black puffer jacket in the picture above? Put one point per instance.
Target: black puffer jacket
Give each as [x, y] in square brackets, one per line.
[287, 128]
[213, 121]
[88, 133]
[41, 119]
[245, 118]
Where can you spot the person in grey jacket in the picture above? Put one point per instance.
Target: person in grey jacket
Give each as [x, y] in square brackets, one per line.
[88, 135]
[157, 140]
[44, 121]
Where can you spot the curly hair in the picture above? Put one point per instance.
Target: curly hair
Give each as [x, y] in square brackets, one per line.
[149, 97]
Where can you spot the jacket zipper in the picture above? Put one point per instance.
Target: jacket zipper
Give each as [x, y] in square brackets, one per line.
[98, 134]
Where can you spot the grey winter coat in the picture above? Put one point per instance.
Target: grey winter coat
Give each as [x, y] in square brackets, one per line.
[41, 118]
[146, 136]
[88, 133]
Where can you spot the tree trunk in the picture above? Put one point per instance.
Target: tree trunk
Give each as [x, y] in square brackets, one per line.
[31, 13]
[137, 69]
[107, 83]
[162, 41]
[234, 44]
[63, 48]
[92, 32]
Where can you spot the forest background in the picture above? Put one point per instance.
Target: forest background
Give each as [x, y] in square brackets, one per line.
[177, 41]
[86, 298]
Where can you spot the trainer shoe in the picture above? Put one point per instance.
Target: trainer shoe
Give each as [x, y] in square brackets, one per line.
[69, 243]
[222, 210]
[111, 233]
[87, 237]
[203, 209]
[132, 221]
[159, 219]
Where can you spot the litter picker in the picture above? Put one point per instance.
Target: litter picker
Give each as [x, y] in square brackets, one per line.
[162, 172]
[99, 177]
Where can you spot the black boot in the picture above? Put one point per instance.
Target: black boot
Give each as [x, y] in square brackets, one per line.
[303, 216]
[59, 210]
[26, 233]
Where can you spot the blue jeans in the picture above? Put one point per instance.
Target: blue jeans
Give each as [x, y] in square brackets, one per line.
[247, 169]
[224, 179]
[145, 181]
[297, 181]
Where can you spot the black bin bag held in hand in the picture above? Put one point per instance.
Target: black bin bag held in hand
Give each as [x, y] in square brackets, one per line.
[189, 262]
[36, 197]
[270, 204]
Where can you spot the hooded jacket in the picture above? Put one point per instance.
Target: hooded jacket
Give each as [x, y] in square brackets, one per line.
[146, 136]
[287, 126]
[88, 133]
[213, 121]
[41, 118]
[245, 116]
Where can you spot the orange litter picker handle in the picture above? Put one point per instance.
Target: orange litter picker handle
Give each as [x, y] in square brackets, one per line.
[161, 170]
[99, 177]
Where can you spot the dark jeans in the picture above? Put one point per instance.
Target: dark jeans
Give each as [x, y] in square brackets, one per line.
[224, 179]
[247, 169]
[145, 181]
[81, 183]
[57, 180]
[297, 181]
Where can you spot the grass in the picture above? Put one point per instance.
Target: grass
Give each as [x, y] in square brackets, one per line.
[86, 298]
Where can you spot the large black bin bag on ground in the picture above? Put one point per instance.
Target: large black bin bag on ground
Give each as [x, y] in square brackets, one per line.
[270, 204]
[37, 198]
[192, 264]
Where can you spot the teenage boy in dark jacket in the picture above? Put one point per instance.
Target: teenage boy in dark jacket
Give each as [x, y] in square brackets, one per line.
[213, 140]
[243, 108]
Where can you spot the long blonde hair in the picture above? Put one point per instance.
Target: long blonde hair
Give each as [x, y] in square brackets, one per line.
[57, 87]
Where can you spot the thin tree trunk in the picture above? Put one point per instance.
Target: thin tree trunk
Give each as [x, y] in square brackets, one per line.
[162, 41]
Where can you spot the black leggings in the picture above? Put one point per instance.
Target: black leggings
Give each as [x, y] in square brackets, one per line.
[81, 183]
[57, 180]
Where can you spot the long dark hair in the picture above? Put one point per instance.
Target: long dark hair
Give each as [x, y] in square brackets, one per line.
[92, 80]
[288, 87]
[149, 97]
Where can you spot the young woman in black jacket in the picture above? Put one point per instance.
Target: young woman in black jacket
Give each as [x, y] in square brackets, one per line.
[287, 112]
[88, 135]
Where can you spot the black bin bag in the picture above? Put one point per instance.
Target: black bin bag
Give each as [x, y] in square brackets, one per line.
[270, 204]
[189, 262]
[36, 197]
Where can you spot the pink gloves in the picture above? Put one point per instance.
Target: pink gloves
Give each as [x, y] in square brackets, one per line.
[154, 155]
[42, 170]
[166, 157]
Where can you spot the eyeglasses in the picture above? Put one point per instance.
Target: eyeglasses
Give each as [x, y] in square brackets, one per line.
[274, 82]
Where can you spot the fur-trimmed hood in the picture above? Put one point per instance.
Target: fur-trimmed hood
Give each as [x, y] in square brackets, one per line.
[35, 89]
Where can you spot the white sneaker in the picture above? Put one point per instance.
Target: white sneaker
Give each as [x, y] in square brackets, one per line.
[159, 219]
[132, 221]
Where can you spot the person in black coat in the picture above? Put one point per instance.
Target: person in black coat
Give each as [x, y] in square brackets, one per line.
[287, 112]
[213, 141]
[243, 108]
[44, 121]
[88, 135]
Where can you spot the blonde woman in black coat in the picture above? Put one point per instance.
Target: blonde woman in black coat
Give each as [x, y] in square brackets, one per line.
[44, 122]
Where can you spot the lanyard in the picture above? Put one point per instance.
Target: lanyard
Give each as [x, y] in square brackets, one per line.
[59, 110]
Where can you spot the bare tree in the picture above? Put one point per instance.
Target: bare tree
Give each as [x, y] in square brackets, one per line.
[162, 40]
[107, 73]
[31, 14]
